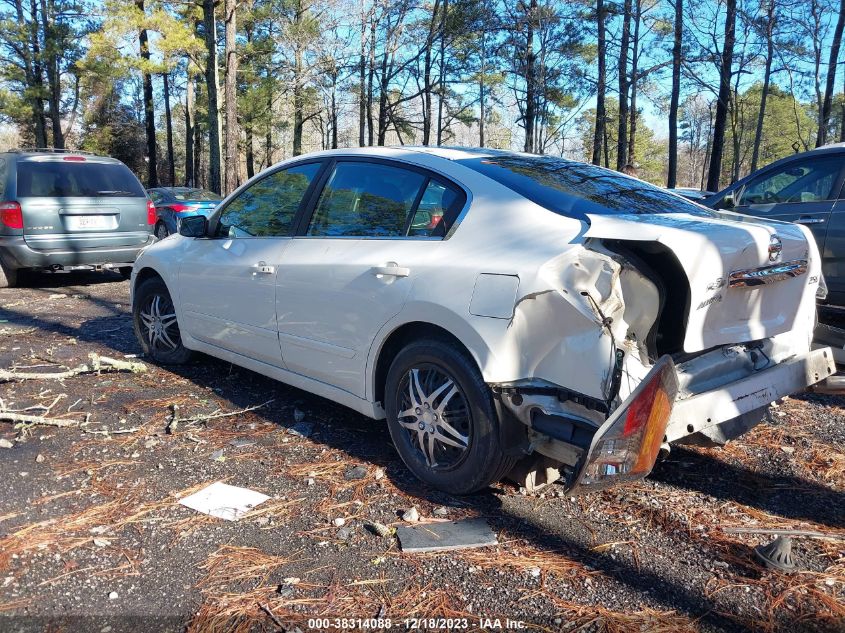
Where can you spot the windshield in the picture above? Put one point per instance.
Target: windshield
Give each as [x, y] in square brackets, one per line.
[53, 179]
[199, 195]
[576, 189]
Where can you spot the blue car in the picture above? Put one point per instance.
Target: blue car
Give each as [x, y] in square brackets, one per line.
[174, 203]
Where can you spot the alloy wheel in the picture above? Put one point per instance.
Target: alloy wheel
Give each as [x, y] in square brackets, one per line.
[434, 412]
[158, 317]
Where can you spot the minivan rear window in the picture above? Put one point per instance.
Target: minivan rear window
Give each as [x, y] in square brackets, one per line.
[54, 179]
[574, 189]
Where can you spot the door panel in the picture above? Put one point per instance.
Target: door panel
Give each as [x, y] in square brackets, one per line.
[833, 257]
[354, 267]
[227, 291]
[228, 284]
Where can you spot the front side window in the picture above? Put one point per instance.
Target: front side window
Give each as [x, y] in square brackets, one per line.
[68, 179]
[808, 181]
[267, 207]
[366, 200]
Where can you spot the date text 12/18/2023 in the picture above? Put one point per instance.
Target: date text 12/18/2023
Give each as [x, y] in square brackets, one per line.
[413, 624]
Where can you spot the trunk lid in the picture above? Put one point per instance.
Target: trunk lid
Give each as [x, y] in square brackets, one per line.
[80, 202]
[747, 278]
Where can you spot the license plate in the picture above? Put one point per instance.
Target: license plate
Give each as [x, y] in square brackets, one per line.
[90, 221]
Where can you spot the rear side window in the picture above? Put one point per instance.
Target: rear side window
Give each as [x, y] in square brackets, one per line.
[65, 179]
[574, 189]
[366, 200]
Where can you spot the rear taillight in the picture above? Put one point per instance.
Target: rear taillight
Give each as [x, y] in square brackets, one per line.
[626, 446]
[11, 215]
[180, 208]
[74, 159]
[152, 216]
[435, 220]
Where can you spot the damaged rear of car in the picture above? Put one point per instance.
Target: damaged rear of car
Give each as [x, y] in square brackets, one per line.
[662, 322]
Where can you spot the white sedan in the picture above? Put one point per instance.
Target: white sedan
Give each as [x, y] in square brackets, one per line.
[508, 314]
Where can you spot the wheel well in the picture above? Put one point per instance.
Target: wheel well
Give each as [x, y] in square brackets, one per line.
[144, 274]
[399, 338]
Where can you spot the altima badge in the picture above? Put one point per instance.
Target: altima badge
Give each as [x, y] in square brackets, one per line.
[775, 248]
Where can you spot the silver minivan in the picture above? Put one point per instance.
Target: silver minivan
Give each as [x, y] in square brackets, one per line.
[69, 210]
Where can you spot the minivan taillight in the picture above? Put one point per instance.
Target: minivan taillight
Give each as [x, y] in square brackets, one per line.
[11, 215]
[152, 216]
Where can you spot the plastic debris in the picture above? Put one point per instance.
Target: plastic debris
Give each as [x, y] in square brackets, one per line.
[446, 535]
[224, 501]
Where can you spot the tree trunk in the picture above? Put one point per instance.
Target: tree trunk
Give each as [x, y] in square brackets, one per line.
[382, 101]
[334, 116]
[190, 126]
[212, 83]
[268, 138]
[481, 87]
[833, 61]
[442, 82]
[767, 75]
[622, 134]
[54, 84]
[168, 116]
[725, 73]
[149, 106]
[370, 128]
[298, 100]
[362, 98]
[427, 67]
[672, 179]
[598, 130]
[231, 96]
[635, 54]
[33, 83]
[530, 96]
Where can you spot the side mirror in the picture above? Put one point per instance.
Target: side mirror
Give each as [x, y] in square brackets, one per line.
[728, 201]
[193, 226]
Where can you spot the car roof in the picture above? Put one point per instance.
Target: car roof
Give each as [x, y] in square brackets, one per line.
[50, 155]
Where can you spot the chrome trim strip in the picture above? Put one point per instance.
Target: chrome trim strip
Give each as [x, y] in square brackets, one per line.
[754, 277]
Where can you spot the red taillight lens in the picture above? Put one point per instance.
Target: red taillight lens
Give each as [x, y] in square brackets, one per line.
[152, 215]
[179, 208]
[435, 220]
[626, 446]
[74, 159]
[11, 215]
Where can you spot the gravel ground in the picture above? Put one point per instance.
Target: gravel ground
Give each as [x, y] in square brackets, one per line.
[91, 536]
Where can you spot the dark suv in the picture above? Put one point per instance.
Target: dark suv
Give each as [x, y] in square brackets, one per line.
[805, 188]
[70, 211]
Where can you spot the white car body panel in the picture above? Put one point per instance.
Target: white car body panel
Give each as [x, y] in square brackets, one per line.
[536, 298]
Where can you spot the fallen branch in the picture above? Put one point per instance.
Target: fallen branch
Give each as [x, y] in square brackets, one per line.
[173, 424]
[134, 429]
[21, 418]
[98, 364]
[807, 533]
[266, 609]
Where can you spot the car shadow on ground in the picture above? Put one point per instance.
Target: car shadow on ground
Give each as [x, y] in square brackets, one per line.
[786, 495]
[46, 280]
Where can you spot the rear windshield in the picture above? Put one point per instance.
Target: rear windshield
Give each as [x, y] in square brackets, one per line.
[576, 189]
[195, 194]
[49, 179]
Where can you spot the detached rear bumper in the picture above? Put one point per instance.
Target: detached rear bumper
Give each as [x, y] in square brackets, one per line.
[703, 413]
[16, 254]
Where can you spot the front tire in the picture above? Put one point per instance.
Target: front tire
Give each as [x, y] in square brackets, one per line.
[442, 420]
[156, 326]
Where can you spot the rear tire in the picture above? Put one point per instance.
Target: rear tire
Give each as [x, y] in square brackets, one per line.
[442, 419]
[161, 231]
[125, 271]
[8, 276]
[156, 326]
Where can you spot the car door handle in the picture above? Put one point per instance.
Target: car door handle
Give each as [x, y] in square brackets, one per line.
[263, 269]
[809, 220]
[390, 270]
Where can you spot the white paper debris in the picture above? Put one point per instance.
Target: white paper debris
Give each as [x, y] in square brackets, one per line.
[224, 501]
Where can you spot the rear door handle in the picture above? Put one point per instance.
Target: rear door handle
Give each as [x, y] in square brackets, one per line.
[392, 269]
[263, 269]
[809, 220]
